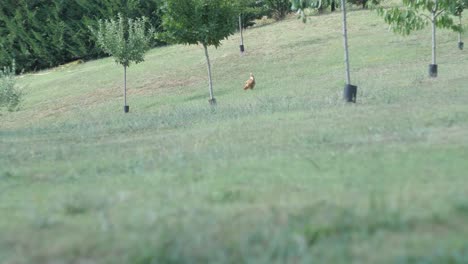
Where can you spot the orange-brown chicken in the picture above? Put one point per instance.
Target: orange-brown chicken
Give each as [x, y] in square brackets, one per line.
[250, 83]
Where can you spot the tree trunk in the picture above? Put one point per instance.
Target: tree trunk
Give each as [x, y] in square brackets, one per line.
[241, 34]
[320, 7]
[350, 91]
[433, 66]
[125, 90]
[459, 33]
[434, 34]
[209, 73]
[333, 6]
[345, 38]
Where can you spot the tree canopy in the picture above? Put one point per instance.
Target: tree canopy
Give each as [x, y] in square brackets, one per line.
[199, 21]
[125, 39]
[414, 15]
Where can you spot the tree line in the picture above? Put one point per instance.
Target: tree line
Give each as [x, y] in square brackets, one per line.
[39, 34]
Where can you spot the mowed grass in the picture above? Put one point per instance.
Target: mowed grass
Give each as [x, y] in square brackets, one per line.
[286, 173]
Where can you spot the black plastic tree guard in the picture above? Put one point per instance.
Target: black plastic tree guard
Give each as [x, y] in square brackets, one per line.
[433, 70]
[350, 93]
[460, 45]
[126, 108]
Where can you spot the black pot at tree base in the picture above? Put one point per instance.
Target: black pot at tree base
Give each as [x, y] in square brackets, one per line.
[350, 93]
[460, 45]
[126, 108]
[433, 70]
[212, 101]
[242, 49]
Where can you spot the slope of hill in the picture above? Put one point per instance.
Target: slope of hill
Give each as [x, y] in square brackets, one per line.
[285, 173]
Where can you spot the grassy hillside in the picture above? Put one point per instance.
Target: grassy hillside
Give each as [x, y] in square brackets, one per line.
[286, 173]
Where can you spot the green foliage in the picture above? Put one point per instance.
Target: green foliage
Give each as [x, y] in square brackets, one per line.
[278, 9]
[251, 10]
[416, 14]
[403, 21]
[301, 6]
[126, 40]
[364, 3]
[457, 8]
[10, 96]
[198, 21]
[321, 5]
[42, 34]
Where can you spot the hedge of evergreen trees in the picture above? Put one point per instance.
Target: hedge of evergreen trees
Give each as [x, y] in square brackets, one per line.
[39, 34]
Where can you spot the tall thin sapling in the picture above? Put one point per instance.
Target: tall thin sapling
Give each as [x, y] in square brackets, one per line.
[125, 39]
[204, 22]
[350, 91]
[416, 14]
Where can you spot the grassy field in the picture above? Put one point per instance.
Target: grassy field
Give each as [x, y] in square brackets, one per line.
[286, 173]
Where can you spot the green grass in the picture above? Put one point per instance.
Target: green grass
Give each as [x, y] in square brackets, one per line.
[286, 173]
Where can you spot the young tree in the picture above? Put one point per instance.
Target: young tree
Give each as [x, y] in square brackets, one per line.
[248, 11]
[204, 22]
[416, 14]
[10, 96]
[241, 30]
[126, 40]
[457, 10]
[242, 5]
[350, 91]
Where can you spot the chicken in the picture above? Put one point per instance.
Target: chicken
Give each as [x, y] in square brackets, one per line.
[250, 83]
